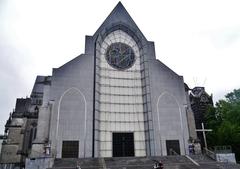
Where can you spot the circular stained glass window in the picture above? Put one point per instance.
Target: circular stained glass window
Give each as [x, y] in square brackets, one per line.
[120, 56]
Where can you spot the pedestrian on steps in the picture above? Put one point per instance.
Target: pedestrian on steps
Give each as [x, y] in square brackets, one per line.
[158, 165]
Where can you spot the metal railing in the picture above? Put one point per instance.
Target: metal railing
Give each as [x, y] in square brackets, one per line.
[172, 152]
[210, 154]
[223, 149]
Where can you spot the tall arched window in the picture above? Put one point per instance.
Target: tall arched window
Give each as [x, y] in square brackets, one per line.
[33, 134]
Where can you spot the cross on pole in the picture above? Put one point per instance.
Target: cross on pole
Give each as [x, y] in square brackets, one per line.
[203, 130]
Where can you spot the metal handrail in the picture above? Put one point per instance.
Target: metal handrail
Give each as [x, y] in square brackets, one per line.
[172, 152]
[223, 149]
[210, 154]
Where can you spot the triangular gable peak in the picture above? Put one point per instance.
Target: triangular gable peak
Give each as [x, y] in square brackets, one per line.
[119, 18]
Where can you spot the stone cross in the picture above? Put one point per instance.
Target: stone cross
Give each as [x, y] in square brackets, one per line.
[203, 130]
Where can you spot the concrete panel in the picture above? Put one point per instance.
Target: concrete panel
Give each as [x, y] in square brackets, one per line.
[76, 74]
[168, 111]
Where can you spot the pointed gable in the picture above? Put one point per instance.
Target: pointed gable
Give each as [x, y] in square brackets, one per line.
[119, 17]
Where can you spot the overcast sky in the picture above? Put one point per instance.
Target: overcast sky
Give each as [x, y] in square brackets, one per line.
[197, 39]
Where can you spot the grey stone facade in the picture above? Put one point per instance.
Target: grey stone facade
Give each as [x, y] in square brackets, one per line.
[72, 96]
[21, 127]
[70, 102]
[73, 84]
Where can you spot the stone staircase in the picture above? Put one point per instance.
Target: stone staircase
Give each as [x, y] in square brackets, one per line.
[169, 162]
[206, 162]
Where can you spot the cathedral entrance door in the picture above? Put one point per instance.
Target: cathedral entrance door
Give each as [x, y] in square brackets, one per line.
[173, 147]
[70, 149]
[123, 144]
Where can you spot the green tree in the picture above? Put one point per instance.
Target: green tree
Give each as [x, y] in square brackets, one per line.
[224, 119]
[233, 97]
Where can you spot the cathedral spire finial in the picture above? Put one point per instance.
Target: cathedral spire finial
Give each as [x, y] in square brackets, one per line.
[120, 4]
[119, 7]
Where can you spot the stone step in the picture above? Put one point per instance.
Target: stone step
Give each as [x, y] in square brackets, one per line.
[218, 165]
[201, 158]
[169, 162]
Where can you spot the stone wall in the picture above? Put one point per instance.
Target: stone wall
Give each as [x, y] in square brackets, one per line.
[230, 157]
[40, 163]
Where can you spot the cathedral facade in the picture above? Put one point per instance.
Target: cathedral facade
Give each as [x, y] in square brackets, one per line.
[114, 100]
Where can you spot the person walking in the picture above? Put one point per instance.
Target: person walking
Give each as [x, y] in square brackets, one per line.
[158, 165]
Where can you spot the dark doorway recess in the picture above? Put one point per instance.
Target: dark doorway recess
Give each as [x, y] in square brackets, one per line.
[123, 144]
[70, 149]
[173, 147]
